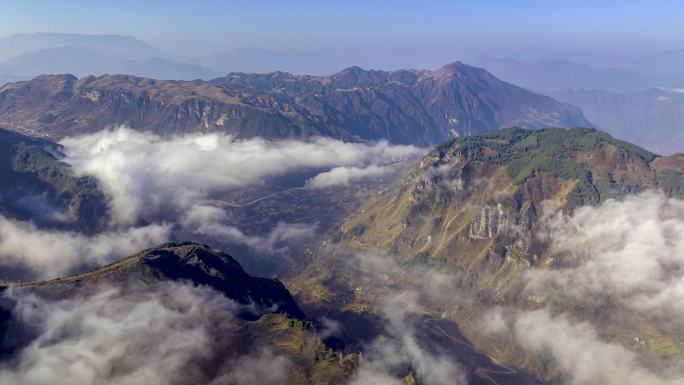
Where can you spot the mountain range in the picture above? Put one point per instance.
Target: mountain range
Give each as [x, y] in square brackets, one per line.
[639, 102]
[472, 231]
[27, 55]
[406, 106]
[552, 75]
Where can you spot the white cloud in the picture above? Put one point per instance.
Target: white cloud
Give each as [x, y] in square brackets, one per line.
[170, 183]
[52, 253]
[141, 335]
[263, 368]
[494, 321]
[211, 222]
[629, 251]
[400, 346]
[344, 175]
[626, 253]
[581, 353]
[146, 175]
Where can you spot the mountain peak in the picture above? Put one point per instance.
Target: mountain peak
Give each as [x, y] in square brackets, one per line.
[200, 265]
[459, 70]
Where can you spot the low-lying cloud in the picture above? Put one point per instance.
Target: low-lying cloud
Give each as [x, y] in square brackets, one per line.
[211, 222]
[624, 257]
[160, 188]
[630, 252]
[164, 333]
[343, 176]
[577, 348]
[53, 253]
[145, 174]
[581, 353]
[117, 336]
[262, 367]
[400, 346]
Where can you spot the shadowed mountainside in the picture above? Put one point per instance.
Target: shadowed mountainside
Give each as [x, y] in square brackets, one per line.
[36, 185]
[190, 262]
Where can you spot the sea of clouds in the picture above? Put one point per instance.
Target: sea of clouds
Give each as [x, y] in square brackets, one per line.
[159, 187]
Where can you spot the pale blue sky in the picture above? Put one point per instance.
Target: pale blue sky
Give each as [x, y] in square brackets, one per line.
[428, 30]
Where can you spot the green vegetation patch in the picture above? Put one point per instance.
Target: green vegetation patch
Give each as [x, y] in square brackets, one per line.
[526, 152]
[553, 150]
[31, 158]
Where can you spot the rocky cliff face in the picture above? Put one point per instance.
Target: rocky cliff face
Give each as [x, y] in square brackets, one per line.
[470, 193]
[478, 207]
[416, 107]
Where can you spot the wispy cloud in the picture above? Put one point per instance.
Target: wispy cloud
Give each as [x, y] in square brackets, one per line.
[624, 257]
[140, 334]
[345, 175]
[53, 253]
[630, 252]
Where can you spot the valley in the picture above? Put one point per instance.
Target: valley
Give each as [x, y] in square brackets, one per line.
[392, 275]
[333, 194]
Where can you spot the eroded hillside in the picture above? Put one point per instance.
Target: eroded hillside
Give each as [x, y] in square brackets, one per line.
[508, 215]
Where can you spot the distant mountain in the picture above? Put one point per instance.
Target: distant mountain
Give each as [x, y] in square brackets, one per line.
[32, 54]
[107, 45]
[255, 60]
[406, 106]
[79, 60]
[159, 68]
[552, 75]
[666, 63]
[653, 118]
[85, 61]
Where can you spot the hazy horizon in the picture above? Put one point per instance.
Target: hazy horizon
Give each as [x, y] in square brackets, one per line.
[379, 35]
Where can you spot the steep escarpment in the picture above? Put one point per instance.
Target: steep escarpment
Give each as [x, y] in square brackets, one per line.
[468, 189]
[404, 106]
[482, 209]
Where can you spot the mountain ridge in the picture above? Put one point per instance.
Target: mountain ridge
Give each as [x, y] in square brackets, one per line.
[191, 262]
[420, 107]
